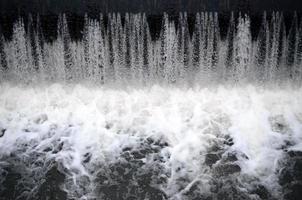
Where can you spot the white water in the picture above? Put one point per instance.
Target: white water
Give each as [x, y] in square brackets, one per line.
[119, 92]
[104, 121]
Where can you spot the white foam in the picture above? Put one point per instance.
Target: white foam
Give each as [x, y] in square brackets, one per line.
[103, 121]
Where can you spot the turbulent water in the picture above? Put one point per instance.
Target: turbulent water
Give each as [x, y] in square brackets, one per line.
[95, 143]
[118, 115]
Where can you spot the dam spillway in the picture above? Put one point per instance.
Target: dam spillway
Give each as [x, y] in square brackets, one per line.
[119, 114]
[123, 52]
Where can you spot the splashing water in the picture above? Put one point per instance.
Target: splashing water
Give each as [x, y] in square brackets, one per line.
[184, 116]
[103, 140]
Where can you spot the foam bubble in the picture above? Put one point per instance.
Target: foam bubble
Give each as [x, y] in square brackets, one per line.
[86, 129]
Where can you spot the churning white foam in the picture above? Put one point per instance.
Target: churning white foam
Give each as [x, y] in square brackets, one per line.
[103, 122]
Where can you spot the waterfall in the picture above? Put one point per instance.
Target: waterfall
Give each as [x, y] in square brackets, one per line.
[230, 48]
[123, 52]
[20, 62]
[126, 112]
[3, 61]
[243, 50]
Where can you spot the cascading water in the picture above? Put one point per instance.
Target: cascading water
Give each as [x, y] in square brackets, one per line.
[124, 53]
[121, 115]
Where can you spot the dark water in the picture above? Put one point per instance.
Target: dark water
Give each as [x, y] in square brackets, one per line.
[131, 178]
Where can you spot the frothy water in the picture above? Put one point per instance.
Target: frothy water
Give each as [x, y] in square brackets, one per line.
[154, 143]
